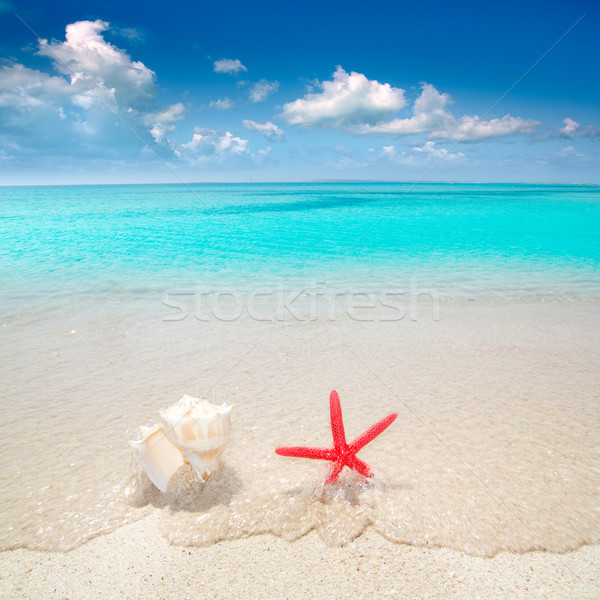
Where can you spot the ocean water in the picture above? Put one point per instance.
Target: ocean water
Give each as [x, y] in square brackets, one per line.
[471, 310]
[520, 241]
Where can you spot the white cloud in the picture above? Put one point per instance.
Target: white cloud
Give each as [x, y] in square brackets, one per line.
[134, 35]
[343, 151]
[361, 106]
[473, 129]
[429, 113]
[222, 104]
[266, 152]
[572, 128]
[228, 65]
[206, 143]
[418, 154]
[268, 129]
[162, 122]
[86, 56]
[347, 99]
[57, 115]
[30, 115]
[69, 111]
[568, 152]
[567, 156]
[262, 89]
[430, 151]
[431, 116]
[24, 88]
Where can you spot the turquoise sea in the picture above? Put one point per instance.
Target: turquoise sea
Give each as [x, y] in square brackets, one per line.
[461, 240]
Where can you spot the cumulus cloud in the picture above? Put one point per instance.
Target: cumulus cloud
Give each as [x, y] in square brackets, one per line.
[66, 113]
[222, 104]
[474, 129]
[21, 87]
[347, 99]
[69, 112]
[262, 89]
[162, 122]
[572, 128]
[428, 151]
[228, 65]
[431, 116]
[32, 105]
[429, 113]
[352, 102]
[208, 142]
[265, 152]
[565, 156]
[568, 152]
[107, 70]
[268, 129]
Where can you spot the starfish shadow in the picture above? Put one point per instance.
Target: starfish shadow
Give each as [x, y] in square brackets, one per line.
[349, 488]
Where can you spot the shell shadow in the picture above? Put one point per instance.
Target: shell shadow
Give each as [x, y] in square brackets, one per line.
[186, 493]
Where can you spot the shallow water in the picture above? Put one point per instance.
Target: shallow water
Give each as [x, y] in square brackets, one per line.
[495, 446]
[489, 355]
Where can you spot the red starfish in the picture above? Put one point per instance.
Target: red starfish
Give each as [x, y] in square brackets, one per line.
[341, 454]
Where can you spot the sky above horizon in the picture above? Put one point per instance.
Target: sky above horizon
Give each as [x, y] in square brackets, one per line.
[123, 93]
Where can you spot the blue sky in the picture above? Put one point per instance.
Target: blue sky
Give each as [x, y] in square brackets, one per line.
[125, 92]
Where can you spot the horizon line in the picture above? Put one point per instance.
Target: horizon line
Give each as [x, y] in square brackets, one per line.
[309, 181]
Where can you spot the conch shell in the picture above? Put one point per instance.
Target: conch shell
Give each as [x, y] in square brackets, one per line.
[160, 457]
[193, 431]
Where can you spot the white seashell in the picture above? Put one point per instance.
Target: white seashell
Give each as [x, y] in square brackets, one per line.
[160, 457]
[200, 429]
[193, 431]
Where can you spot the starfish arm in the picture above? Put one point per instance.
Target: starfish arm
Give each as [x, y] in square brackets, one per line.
[359, 465]
[371, 433]
[335, 472]
[337, 423]
[302, 452]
